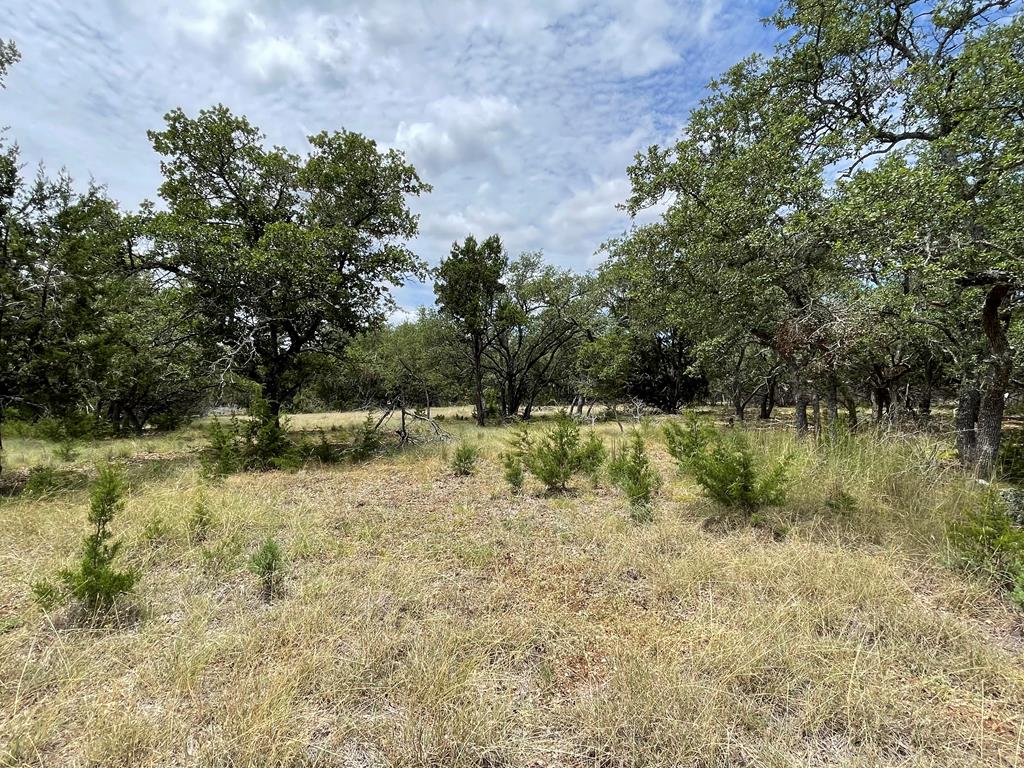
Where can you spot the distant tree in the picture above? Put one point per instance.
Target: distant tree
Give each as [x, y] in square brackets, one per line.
[282, 258]
[468, 288]
[404, 365]
[542, 312]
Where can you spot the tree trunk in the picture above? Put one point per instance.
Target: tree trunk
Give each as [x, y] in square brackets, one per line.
[478, 381]
[880, 402]
[802, 400]
[739, 407]
[768, 400]
[989, 426]
[816, 411]
[832, 400]
[851, 411]
[965, 421]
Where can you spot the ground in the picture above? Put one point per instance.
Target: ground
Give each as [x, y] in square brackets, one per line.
[434, 620]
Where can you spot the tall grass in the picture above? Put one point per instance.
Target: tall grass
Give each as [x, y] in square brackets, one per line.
[430, 620]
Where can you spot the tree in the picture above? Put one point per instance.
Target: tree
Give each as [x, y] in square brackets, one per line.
[541, 313]
[281, 257]
[404, 366]
[743, 249]
[938, 90]
[61, 257]
[468, 285]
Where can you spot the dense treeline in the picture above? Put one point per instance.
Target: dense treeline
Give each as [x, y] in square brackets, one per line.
[841, 229]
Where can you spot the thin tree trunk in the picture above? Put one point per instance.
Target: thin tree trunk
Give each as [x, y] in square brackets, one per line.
[478, 382]
[851, 411]
[816, 411]
[832, 400]
[880, 401]
[801, 399]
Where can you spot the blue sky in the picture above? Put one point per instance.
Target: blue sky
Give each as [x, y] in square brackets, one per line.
[522, 115]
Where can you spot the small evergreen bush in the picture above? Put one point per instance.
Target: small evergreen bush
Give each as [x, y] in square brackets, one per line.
[987, 541]
[514, 459]
[515, 473]
[95, 583]
[631, 472]
[267, 564]
[265, 439]
[324, 451]
[686, 440]
[157, 530]
[200, 521]
[592, 456]
[368, 442]
[66, 450]
[560, 454]
[259, 443]
[728, 474]
[224, 456]
[465, 458]
[42, 480]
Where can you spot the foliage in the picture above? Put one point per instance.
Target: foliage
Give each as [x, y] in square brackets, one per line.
[223, 456]
[465, 458]
[1011, 457]
[95, 583]
[514, 471]
[559, 454]
[986, 540]
[729, 474]
[368, 442]
[280, 257]
[686, 440]
[268, 564]
[325, 451]
[67, 450]
[513, 459]
[631, 472]
[258, 443]
[467, 285]
[200, 521]
[42, 480]
[265, 443]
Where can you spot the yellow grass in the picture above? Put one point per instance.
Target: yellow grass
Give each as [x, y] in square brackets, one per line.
[430, 620]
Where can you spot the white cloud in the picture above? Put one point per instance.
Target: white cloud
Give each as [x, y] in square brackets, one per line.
[461, 131]
[523, 116]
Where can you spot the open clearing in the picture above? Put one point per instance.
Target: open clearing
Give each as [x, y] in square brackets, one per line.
[428, 619]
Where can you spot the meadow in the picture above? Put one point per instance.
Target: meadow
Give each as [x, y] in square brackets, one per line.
[431, 619]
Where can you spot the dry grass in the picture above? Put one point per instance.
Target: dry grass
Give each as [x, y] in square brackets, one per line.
[429, 620]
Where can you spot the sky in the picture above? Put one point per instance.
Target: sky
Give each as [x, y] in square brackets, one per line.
[523, 116]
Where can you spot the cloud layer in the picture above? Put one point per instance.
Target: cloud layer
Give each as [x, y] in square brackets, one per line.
[522, 115]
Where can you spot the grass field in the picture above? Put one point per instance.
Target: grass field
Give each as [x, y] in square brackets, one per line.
[434, 620]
